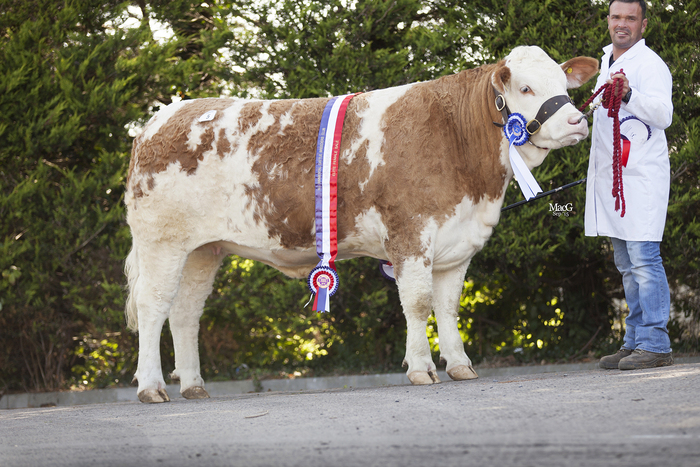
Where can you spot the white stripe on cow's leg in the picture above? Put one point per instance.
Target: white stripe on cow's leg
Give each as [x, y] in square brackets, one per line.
[195, 286]
[159, 277]
[414, 280]
[447, 289]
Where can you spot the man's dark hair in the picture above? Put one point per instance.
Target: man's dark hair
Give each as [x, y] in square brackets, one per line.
[642, 4]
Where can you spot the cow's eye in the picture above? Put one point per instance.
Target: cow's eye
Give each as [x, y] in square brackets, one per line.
[526, 90]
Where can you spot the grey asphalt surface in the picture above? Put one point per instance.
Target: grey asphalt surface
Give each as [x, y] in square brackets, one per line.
[586, 418]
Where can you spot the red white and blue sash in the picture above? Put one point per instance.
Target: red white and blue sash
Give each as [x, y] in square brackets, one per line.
[323, 280]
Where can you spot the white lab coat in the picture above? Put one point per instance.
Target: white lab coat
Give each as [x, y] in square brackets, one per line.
[646, 179]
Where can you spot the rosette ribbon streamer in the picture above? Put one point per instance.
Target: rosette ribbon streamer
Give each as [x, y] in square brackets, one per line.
[515, 130]
[323, 280]
[387, 269]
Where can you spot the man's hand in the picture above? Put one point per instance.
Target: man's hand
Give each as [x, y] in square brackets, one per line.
[625, 82]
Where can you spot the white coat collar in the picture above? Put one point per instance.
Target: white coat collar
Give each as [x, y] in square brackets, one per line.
[629, 53]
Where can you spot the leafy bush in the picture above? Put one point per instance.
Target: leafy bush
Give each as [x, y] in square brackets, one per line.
[78, 78]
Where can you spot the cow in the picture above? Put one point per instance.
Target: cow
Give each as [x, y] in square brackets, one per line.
[422, 176]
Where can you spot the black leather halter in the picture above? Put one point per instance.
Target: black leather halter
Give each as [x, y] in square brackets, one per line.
[548, 108]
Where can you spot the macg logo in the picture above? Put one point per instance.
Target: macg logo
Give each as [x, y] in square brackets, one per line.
[559, 210]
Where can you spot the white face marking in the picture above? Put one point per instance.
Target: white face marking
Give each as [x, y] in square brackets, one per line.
[532, 69]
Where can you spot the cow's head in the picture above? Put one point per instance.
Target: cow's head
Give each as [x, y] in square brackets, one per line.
[527, 79]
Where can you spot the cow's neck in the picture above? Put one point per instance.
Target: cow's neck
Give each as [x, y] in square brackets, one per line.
[468, 99]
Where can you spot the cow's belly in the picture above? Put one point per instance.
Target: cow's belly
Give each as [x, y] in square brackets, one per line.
[220, 227]
[292, 262]
[298, 262]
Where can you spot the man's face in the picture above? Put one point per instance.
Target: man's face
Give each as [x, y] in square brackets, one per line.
[625, 24]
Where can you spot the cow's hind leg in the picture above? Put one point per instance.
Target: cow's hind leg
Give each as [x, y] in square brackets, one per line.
[415, 291]
[195, 286]
[156, 287]
[447, 289]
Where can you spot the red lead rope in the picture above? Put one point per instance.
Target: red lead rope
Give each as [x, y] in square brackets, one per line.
[612, 97]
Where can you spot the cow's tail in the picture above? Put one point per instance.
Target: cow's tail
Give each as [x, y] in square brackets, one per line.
[131, 269]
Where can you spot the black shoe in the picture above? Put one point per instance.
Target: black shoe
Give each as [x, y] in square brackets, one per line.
[610, 362]
[644, 359]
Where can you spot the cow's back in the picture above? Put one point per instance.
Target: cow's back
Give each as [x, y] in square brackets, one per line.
[214, 180]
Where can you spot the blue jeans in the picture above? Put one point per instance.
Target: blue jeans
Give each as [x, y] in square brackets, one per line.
[647, 295]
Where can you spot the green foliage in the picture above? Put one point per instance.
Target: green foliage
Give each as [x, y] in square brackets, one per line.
[64, 251]
[102, 362]
[77, 77]
[256, 318]
[73, 79]
[674, 32]
[319, 48]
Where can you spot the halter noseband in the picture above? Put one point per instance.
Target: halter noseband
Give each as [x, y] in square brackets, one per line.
[548, 108]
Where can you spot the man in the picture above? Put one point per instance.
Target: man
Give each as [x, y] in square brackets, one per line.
[634, 220]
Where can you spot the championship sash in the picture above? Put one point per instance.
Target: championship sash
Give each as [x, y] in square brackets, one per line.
[323, 280]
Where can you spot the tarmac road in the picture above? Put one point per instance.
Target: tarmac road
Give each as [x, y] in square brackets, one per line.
[585, 418]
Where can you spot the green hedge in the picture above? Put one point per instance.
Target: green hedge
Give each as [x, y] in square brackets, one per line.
[77, 79]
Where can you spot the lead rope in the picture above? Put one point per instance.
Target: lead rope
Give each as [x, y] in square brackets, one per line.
[612, 98]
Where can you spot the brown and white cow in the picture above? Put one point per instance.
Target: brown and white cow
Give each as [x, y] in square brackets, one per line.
[422, 177]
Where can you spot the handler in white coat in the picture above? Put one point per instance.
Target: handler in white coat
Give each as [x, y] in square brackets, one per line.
[646, 111]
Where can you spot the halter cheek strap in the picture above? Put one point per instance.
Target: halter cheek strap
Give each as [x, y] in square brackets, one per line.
[502, 107]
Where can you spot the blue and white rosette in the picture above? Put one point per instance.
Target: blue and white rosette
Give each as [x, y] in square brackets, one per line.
[515, 130]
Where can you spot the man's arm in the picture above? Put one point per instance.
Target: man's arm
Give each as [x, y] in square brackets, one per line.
[652, 104]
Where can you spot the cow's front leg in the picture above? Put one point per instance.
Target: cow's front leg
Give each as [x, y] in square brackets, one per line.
[159, 277]
[415, 291]
[447, 289]
[195, 286]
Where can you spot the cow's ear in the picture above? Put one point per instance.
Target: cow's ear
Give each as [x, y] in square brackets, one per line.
[501, 77]
[579, 70]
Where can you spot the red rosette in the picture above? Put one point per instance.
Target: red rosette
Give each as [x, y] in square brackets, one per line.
[323, 277]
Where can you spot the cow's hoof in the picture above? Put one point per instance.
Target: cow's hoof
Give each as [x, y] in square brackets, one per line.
[153, 396]
[195, 392]
[423, 377]
[462, 373]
